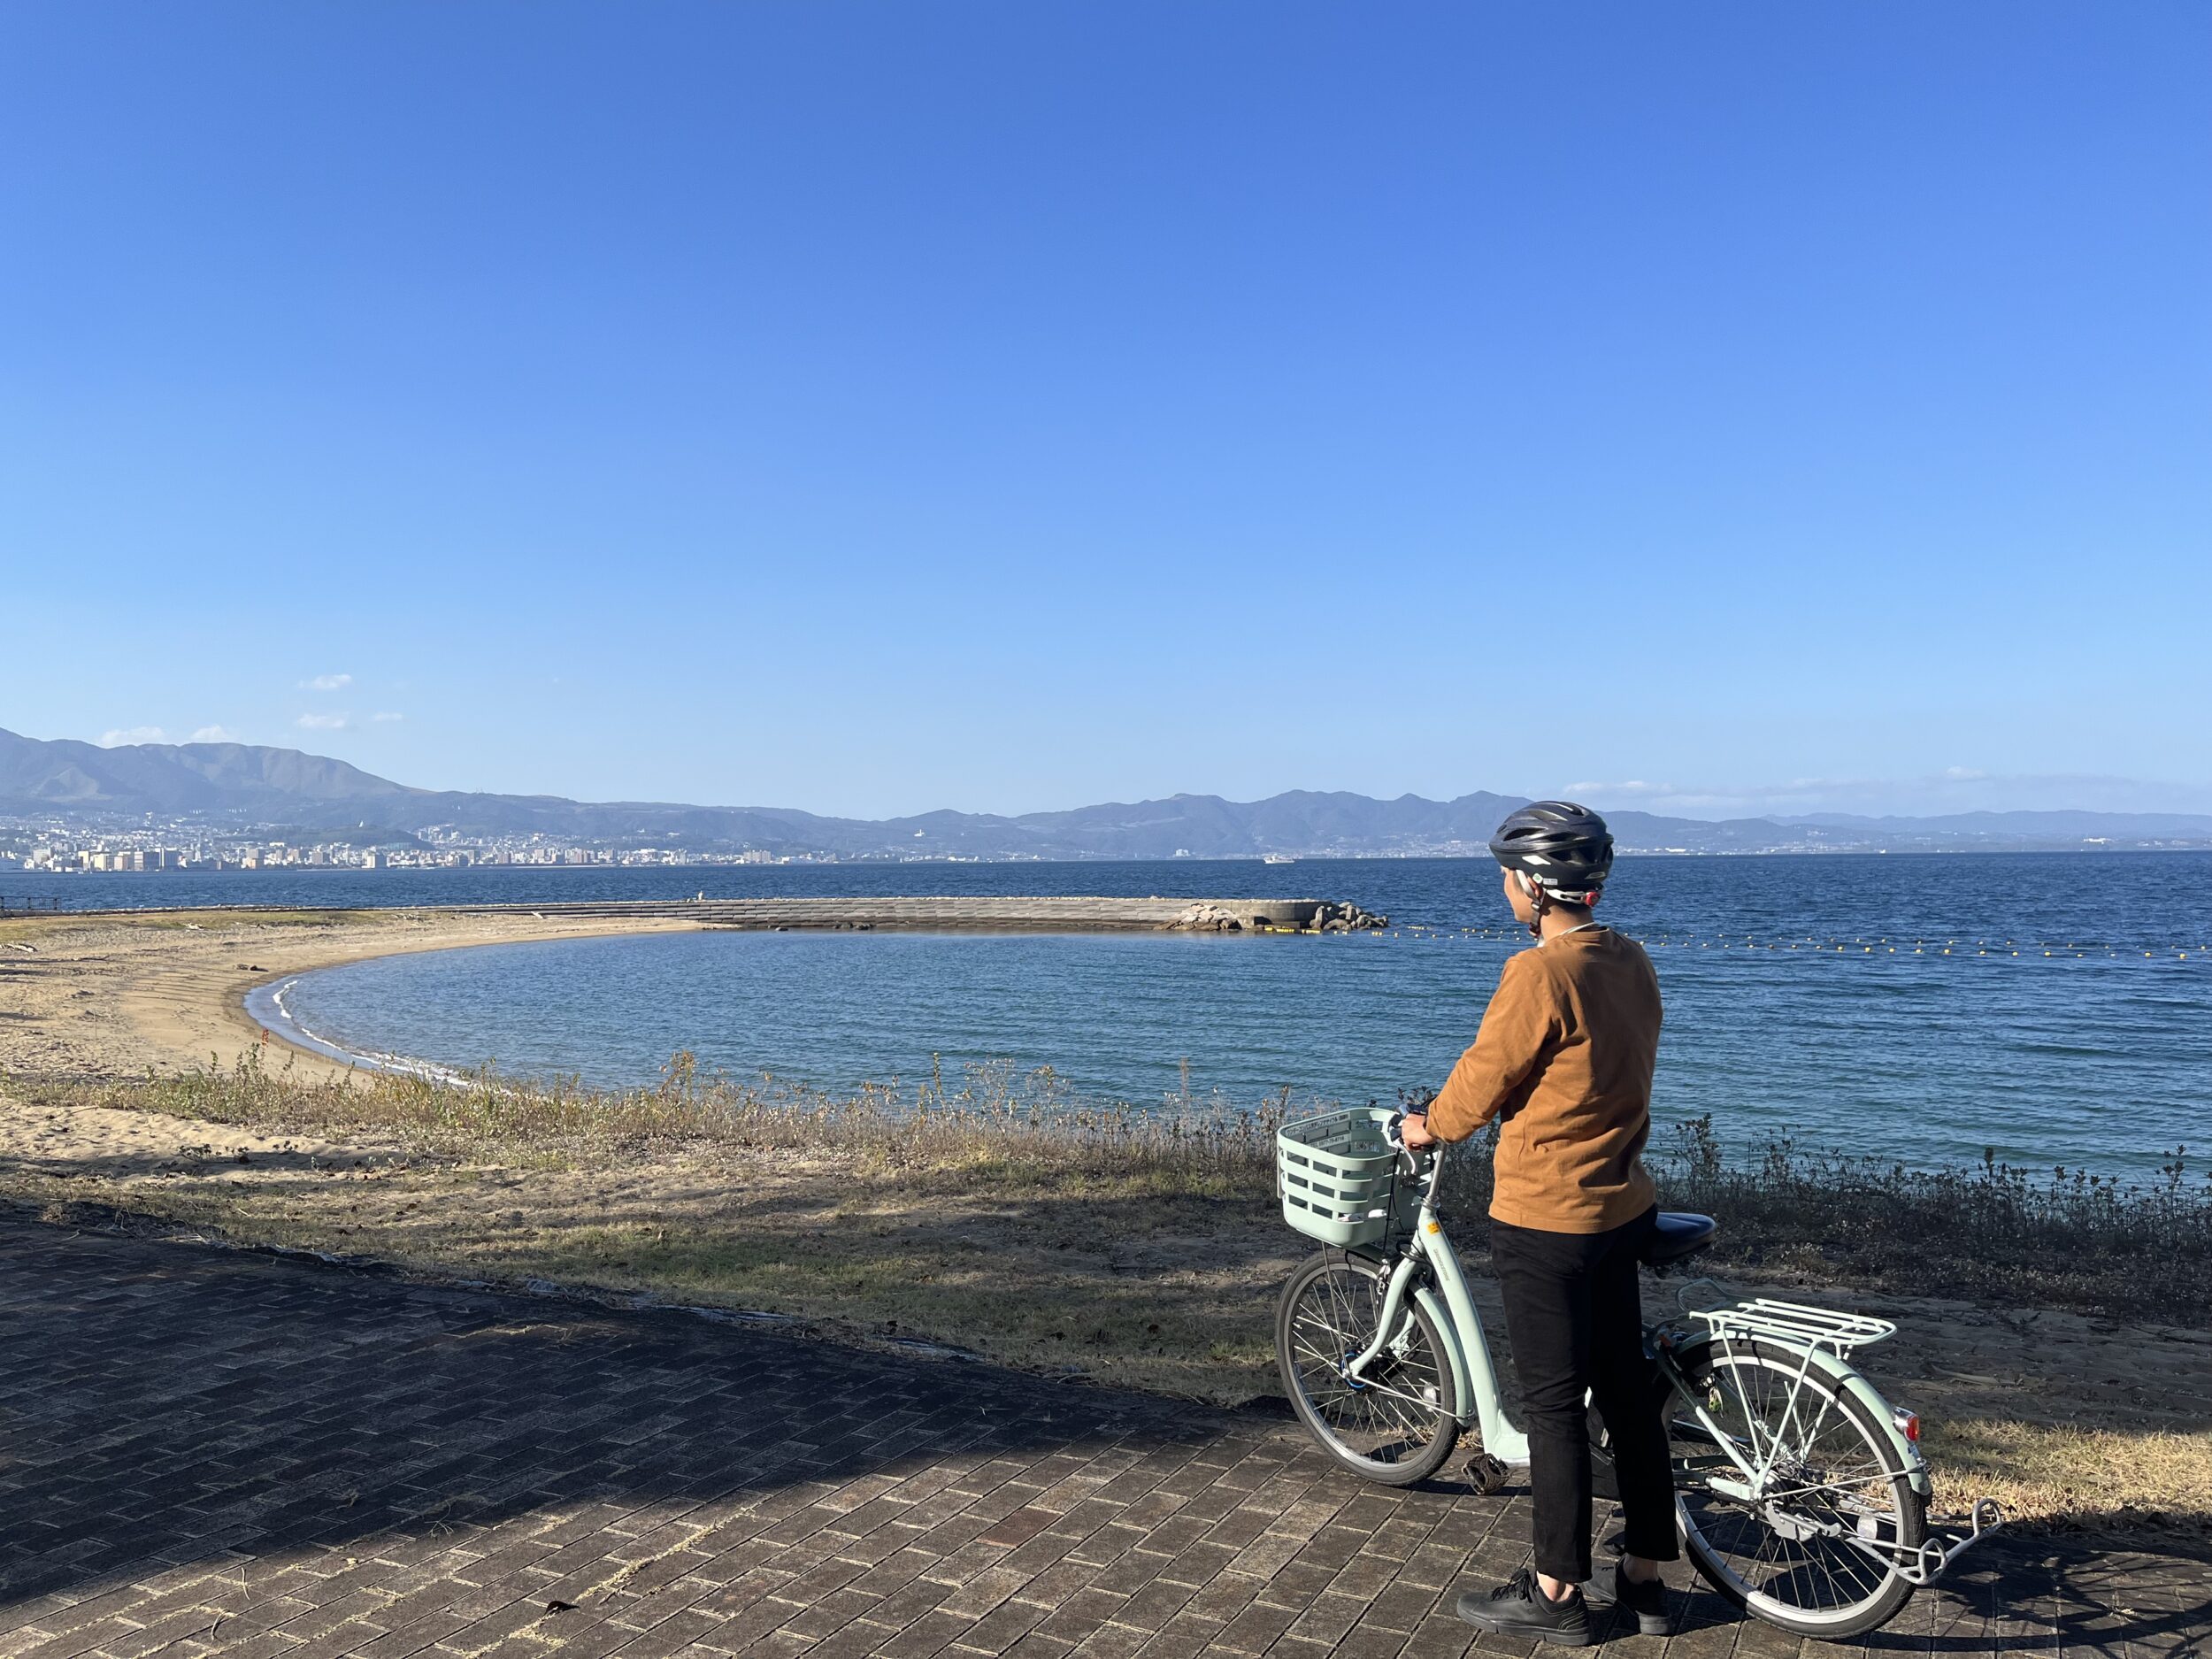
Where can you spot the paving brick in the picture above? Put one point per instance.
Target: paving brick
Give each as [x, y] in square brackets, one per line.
[1081, 1614]
[1004, 1626]
[1151, 1608]
[1254, 1628]
[308, 1462]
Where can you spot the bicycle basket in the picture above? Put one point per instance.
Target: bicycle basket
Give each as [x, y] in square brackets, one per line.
[1339, 1178]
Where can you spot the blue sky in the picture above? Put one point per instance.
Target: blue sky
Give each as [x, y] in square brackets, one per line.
[873, 408]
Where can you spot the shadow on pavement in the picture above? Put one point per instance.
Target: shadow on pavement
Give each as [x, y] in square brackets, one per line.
[369, 1457]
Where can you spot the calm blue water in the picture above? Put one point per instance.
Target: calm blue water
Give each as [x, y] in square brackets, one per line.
[2094, 1054]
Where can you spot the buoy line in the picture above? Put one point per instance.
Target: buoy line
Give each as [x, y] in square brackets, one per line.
[1831, 944]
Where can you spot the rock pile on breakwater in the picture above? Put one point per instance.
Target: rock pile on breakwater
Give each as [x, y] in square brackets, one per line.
[1328, 916]
[1206, 919]
[1343, 916]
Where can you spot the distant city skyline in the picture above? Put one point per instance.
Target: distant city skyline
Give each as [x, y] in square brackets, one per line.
[876, 409]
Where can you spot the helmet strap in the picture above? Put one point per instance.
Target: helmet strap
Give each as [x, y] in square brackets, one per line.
[1539, 901]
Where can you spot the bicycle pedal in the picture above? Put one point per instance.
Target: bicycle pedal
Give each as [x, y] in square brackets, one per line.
[1486, 1474]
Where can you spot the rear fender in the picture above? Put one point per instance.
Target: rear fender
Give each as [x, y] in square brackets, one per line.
[1840, 1376]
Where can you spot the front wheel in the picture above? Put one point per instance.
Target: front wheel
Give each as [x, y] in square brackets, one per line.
[1398, 1421]
[1783, 1549]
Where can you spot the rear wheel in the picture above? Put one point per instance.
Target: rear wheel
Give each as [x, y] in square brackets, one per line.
[1396, 1423]
[1783, 1549]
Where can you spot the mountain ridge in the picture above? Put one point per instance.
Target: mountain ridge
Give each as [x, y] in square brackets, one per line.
[242, 784]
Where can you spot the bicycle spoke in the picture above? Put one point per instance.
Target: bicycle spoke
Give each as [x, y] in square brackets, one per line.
[1824, 1477]
[1385, 1416]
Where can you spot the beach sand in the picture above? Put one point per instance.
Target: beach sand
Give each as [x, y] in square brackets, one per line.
[115, 995]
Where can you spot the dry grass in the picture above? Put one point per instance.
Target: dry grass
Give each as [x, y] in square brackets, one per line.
[2062, 1237]
[995, 1215]
[2114, 1479]
[997, 1125]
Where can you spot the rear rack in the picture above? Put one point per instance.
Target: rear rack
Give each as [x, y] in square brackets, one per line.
[1795, 1322]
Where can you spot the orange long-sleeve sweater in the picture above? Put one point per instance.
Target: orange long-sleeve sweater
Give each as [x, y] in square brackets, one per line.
[1565, 1056]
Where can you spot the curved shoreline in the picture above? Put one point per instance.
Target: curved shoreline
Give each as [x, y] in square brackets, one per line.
[113, 995]
[266, 1006]
[126, 992]
[303, 1044]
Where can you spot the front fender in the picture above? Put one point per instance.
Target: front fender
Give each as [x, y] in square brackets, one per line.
[1474, 1407]
[1425, 1297]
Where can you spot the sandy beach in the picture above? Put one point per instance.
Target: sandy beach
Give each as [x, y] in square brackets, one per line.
[114, 995]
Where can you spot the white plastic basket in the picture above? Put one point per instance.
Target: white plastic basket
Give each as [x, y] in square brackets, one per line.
[1337, 1177]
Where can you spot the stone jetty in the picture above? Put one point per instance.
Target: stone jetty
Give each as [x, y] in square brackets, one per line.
[975, 915]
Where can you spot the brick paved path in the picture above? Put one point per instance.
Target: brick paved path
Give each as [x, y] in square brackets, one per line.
[204, 1451]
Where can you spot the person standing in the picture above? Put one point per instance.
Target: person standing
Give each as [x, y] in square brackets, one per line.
[1563, 1060]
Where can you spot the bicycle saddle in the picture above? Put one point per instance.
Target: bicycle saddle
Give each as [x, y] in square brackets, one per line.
[1679, 1234]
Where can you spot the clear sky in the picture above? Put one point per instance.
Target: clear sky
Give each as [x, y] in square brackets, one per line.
[879, 407]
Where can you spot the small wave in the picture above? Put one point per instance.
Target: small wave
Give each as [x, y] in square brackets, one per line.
[268, 1004]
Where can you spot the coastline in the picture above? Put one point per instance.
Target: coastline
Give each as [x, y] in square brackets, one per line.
[114, 995]
[265, 1006]
[104, 994]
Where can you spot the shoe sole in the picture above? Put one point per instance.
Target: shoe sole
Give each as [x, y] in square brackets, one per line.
[1647, 1624]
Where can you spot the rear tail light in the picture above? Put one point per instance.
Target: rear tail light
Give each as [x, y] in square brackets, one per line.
[1908, 1423]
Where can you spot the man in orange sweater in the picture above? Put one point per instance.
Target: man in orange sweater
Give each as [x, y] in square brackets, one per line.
[1565, 1059]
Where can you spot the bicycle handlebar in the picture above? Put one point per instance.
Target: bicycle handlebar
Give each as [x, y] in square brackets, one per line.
[1412, 1156]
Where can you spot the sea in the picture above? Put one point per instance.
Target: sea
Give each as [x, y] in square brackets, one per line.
[2046, 1009]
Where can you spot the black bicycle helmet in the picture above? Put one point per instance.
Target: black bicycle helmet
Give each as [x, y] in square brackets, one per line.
[1564, 848]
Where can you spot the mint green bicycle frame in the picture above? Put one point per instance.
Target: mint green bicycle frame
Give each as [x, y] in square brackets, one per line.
[1475, 1380]
[1458, 1325]
[1451, 1309]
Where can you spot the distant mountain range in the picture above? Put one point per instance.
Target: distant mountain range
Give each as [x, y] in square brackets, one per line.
[240, 784]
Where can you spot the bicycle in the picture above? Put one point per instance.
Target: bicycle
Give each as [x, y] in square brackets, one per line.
[1801, 1493]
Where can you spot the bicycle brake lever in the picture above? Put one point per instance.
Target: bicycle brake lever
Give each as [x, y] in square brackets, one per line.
[1409, 1160]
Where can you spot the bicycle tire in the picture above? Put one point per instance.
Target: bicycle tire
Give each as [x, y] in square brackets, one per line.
[1341, 1311]
[1713, 1527]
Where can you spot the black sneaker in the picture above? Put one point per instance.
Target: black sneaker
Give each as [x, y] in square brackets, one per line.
[1647, 1602]
[1519, 1608]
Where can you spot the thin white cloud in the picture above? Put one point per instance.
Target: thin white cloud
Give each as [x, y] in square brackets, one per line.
[1955, 790]
[133, 734]
[387, 718]
[324, 722]
[1633, 786]
[215, 734]
[327, 682]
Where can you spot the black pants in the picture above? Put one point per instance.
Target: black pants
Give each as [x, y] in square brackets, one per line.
[1576, 1322]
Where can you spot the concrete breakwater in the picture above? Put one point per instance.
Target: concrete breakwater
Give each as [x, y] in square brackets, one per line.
[972, 915]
